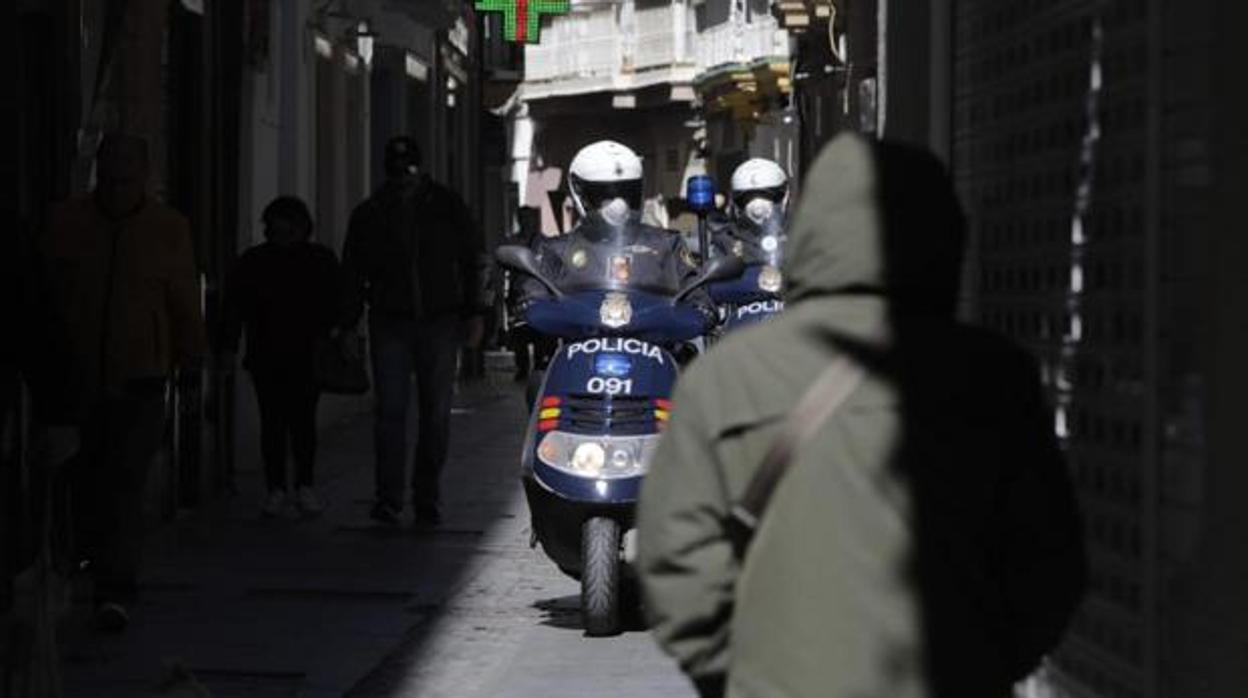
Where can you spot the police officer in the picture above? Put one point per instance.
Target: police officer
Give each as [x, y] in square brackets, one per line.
[610, 246]
[411, 256]
[758, 213]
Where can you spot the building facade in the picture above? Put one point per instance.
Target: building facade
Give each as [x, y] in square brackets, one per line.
[1096, 146]
[694, 86]
[328, 84]
[241, 102]
[744, 87]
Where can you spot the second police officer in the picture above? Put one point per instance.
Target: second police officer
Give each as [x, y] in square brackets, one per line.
[755, 232]
[759, 211]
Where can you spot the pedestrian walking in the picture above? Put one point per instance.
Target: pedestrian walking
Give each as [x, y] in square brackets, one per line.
[121, 266]
[282, 296]
[921, 538]
[411, 258]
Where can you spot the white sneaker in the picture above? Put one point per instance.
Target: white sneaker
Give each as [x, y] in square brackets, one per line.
[309, 502]
[274, 505]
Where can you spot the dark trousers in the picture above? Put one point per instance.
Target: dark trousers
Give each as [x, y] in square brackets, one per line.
[532, 349]
[400, 348]
[521, 341]
[288, 400]
[119, 438]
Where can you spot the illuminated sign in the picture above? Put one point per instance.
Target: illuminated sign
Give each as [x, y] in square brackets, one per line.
[522, 19]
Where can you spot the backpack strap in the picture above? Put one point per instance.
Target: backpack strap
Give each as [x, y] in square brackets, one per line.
[828, 392]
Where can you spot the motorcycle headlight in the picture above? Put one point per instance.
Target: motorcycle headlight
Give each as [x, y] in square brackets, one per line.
[597, 457]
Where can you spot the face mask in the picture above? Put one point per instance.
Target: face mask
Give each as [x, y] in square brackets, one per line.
[758, 210]
[614, 212]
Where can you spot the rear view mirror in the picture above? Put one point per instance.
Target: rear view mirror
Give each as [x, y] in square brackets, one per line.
[520, 258]
[723, 268]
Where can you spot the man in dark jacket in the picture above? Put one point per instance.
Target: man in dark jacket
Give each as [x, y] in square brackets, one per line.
[925, 543]
[411, 256]
[122, 272]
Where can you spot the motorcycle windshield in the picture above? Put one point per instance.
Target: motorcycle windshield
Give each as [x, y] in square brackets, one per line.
[760, 244]
[627, 257]
[761, 247]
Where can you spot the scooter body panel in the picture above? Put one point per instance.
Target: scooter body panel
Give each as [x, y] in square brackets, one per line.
[743, 302]
[600, 385]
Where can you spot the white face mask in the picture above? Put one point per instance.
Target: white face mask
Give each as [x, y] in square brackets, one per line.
[614, 212]
[759, 210]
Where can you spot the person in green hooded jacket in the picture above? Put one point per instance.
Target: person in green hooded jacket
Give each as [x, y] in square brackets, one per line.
[926, 542]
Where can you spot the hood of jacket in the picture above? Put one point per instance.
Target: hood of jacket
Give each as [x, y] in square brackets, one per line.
[877, 219]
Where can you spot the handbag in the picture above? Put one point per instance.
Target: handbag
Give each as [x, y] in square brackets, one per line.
[828, 392]
[339, 371]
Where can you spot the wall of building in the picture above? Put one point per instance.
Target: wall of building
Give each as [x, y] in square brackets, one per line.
[1096, 147]
[1096, 151]
[1205, 584]
[318, 108]
[1062, 240]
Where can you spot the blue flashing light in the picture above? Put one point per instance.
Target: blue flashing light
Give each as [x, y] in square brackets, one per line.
[613, 365]
[700, 193]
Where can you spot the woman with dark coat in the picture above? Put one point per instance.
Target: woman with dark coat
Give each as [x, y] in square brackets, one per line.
[281, 295]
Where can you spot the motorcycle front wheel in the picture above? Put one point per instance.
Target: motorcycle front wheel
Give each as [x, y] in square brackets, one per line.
[600, 576]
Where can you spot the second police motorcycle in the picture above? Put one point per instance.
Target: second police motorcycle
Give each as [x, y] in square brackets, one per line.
[755, 233]
[619, 297]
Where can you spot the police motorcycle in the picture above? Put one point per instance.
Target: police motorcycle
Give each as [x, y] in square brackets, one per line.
[602, 404]
[756, 235]
[597, 419]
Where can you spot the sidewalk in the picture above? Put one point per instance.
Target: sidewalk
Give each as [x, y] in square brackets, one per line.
[337, 606]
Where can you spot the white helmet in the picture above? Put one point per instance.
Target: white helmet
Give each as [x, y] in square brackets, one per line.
[606, 177]
[759, 188]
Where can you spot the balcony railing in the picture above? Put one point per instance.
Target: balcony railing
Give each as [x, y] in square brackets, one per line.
[589, 51]
[730, 43]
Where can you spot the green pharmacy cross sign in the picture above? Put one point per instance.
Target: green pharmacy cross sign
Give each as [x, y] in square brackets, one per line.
[522, 19]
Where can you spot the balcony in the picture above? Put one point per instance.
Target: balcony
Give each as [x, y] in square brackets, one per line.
[742, 66]
[797, 16]
[612, 48]
[741, 44]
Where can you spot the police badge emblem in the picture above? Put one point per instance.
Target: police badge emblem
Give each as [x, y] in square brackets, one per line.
[615, 310]
[770, 279]
[579, 258]
[620, 267]
[738, 248]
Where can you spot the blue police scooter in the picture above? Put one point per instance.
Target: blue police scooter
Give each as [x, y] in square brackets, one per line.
[754, 295]
[596, 421]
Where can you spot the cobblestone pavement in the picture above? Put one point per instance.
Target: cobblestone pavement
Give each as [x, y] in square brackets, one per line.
[336, 606]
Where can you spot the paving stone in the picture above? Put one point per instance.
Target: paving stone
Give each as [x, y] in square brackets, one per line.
[337, 606]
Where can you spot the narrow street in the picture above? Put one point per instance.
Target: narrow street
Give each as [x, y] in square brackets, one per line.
[207, 190]
[338, 606]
